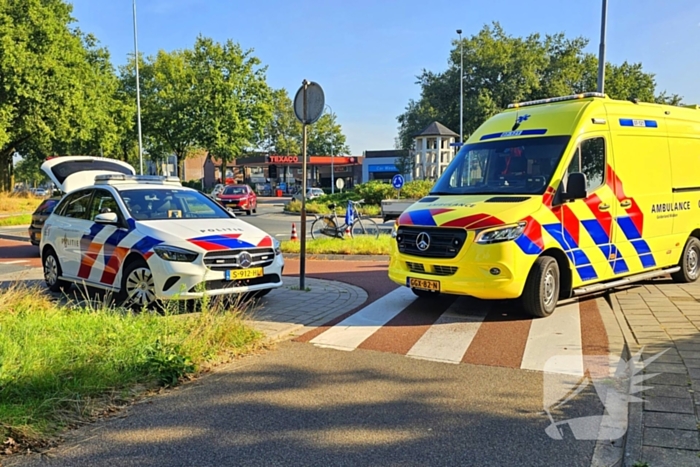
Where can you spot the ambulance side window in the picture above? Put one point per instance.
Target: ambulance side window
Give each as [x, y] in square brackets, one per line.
[589, 159]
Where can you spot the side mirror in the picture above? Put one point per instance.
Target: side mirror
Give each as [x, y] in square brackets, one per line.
[231, 211]
[576, 187]
[107, 218]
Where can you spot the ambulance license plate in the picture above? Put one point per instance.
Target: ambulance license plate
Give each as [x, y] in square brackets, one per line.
[423, 284]
[237, 274]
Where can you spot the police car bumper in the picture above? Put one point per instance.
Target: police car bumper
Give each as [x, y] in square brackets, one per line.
[182, 281]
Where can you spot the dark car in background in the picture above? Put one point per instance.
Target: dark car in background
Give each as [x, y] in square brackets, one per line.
[239, 197]
[39, 216]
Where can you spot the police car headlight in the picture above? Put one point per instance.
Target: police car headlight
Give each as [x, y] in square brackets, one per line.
[277, 246]
[172, 253]
[503, 234]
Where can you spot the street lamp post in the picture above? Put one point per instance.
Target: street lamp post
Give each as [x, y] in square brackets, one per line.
[138, 93]
[332, 158]
[601, 52]
[461, 84]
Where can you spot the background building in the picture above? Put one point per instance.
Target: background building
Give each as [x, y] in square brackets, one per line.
[382, 165]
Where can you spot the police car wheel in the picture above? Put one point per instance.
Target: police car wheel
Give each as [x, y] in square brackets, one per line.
[425, 293]
[138, 288]
[542, 288]
[52, 272]
[690, 262]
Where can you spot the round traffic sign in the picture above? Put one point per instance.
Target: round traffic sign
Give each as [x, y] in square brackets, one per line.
[339, 183]
[315, 102]
[397, 181]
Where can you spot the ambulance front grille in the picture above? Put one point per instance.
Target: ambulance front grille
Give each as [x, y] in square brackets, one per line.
[229, 259]
[443, 242]
[434, 269]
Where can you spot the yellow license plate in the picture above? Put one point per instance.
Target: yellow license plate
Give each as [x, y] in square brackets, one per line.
[37, 236]
[423, 284]
[237, 274]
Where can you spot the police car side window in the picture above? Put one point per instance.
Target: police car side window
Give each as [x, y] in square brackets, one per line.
[589, 159]
[77, 205]
[103, 202]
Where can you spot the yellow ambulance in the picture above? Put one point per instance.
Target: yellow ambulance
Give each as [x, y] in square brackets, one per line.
[556, 198]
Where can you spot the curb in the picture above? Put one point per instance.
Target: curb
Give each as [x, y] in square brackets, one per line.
[297, 256]
[15, 238]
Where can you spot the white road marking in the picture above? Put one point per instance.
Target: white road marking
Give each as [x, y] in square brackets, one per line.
[449, 338]
[555, 342]
[15, 262]
[355, 329]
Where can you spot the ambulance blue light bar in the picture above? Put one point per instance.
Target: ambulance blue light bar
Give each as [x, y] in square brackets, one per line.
[572, 97]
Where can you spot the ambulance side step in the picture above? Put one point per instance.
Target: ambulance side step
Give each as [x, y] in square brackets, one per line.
[625, 281]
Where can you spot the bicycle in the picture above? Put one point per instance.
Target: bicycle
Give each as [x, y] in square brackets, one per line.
[358, 225]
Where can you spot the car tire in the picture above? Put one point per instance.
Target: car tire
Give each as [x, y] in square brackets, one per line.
[248, 212]
[542, 287]
[137, 288]
[690, 263]
[425, 293]
[52, 272]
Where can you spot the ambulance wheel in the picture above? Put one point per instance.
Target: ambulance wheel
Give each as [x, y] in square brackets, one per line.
[690, 262]
[542, 287]
[425, 293]
[138, 289]
[52, 272]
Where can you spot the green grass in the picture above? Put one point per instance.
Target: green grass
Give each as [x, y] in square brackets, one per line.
[63, 364]
[22, 219]
[337, 246]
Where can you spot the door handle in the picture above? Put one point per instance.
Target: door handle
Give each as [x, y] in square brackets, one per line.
[626, 203]
[603, 207]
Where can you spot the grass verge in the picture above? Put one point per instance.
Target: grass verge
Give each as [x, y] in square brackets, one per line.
[315, 207]
[337, 246]
[62, 365]
[11, 203]
[22, 219]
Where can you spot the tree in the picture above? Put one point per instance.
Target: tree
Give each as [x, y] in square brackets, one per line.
[325, 137]
[231, 99]
[500, 69]
[282, 135]
[56, 88]
[28, 172]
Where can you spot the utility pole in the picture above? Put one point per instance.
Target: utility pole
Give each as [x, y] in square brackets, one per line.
[138, 92]
[332, 166]
[601, 52]
[461, 84]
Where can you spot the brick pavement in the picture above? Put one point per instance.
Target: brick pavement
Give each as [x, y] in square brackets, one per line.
[663, 316]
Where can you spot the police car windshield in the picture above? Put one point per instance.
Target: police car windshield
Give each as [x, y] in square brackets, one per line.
[152, 204]
[514, 166]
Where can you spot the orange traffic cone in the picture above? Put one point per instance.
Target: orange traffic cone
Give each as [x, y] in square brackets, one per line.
[347, 231]
[294, 233]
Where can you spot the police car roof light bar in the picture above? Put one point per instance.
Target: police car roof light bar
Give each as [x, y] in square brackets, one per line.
[550, 100]
[107, 178]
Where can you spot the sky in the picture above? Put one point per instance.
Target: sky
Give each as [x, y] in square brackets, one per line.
[366, 54]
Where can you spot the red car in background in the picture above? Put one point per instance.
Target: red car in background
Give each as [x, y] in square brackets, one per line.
[239, 197]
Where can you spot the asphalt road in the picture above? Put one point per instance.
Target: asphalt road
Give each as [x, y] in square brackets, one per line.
[305, 404]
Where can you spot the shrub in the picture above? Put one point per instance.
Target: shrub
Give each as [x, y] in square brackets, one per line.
[375, 191]
[416, 189]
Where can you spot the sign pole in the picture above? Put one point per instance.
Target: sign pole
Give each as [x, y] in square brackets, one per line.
[302, 251]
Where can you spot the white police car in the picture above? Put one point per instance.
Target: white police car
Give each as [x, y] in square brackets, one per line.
[149, 238]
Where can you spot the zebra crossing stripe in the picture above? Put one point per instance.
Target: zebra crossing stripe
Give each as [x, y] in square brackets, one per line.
[355, 329]
[559, 336]
[449, 338]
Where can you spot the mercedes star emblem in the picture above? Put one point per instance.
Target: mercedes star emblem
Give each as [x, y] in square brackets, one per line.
[423, 241]
[245, 260]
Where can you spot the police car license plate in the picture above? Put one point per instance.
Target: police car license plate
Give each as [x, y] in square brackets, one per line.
[236, 274]
[423, 284]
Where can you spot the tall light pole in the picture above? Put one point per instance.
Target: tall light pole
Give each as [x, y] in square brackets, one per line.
[138, 92]
[601, 52]
[332, 165]
[461, 84]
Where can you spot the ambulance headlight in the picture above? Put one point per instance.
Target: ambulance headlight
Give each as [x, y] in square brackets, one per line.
[277, 246]
[394, 230]
[173, 253]
[503, 234]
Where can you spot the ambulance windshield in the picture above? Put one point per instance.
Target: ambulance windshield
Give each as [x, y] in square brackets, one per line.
[514, 166]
